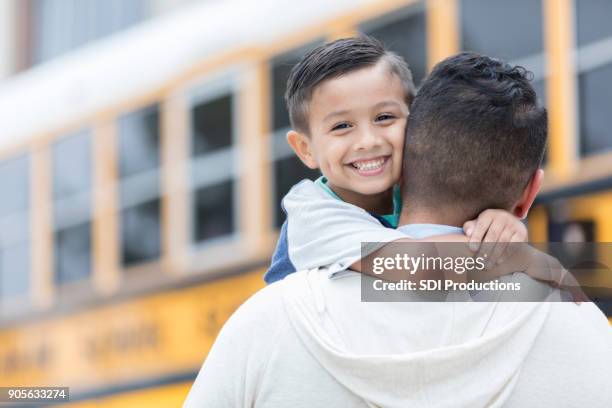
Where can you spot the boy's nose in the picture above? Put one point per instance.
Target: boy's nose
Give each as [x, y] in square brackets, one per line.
[367, 140]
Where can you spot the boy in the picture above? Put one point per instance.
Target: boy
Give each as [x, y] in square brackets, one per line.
[348, 102]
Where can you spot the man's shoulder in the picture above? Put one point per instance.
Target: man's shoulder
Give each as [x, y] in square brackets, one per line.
[585, 318]
[248, 339]
[581, 337]
[265, 304]
[581, 333]
[265, 309]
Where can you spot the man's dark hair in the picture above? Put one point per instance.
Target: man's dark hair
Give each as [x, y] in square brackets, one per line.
[475, 135]
[332, 60]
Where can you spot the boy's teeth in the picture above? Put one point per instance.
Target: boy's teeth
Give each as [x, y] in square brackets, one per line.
[369, 165]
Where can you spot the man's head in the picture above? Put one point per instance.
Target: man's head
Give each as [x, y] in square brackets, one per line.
[475, 138]
[348, 101]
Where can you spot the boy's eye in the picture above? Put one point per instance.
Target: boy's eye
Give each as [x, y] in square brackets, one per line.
[384, 116]
[341, 126]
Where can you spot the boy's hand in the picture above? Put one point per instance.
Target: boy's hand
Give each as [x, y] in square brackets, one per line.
[498, 227]
[548, 269]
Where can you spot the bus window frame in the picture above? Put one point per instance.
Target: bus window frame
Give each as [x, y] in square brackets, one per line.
[590, 57]
[201, 90]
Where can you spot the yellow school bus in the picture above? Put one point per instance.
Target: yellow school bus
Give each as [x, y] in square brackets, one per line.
[141, 176]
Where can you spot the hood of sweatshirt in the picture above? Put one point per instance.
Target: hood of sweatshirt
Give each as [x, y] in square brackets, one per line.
[421, 354]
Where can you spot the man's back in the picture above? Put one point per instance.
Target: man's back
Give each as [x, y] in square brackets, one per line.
[259, 361]
[309, 341]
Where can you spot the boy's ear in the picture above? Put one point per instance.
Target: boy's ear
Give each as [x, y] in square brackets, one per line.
[300, 144]
[529, 194]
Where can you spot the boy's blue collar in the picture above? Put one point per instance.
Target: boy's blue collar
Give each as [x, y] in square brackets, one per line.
[392, 219]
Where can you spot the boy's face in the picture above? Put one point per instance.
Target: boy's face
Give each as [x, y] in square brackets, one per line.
[357, 123]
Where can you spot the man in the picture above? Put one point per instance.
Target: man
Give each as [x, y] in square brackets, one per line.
[309, 341]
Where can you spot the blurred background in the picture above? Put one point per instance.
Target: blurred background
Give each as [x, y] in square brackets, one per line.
[143, 159]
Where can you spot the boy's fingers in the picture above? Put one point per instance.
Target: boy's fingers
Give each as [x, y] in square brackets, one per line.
[468, 227]
[522, 233]
[570, 284]
[493, 253]
[579, 296]
[480, 229]
[553, 273]
[516, 238]
[501, 248]
[491, 241]
[539, 267]
[494, 232]
[512, 248]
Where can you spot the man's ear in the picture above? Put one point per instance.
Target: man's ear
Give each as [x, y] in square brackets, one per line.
[529, 194]
[301, 145]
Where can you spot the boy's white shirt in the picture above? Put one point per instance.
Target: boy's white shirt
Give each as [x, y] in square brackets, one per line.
[312, 243]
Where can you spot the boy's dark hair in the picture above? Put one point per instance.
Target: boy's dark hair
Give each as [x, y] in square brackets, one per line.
[475, 135]
[332, 60]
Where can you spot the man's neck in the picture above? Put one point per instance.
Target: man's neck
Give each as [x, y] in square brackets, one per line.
[440, 216]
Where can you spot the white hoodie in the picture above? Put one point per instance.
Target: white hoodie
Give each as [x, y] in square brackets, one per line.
[309, 341]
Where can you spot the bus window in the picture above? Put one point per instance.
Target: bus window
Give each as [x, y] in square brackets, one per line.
[213, 211]
[14, 228]
[212, 126]
[593, 21]
[595, 88]
[139, 160]
[511, 30]
[60, 26]
[72, 184]
[594, 33]
[213, 195]
[405, 36]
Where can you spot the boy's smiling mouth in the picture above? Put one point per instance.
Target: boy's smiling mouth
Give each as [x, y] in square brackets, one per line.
[370, 167]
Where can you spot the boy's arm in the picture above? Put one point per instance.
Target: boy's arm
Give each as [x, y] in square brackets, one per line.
[324, 231]
[281, 265]
[505, 240]
[498, 228]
